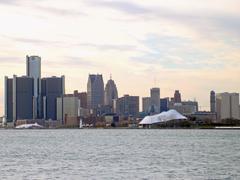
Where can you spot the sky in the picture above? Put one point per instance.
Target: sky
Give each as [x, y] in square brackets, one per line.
[189, 45]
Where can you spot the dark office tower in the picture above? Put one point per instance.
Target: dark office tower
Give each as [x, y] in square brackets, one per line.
[33, 69]
[52, 87]
[212, 101]
[164, 104]
[110, 93]
[95, 91]
[19, 94]
[127, 106]
[177, 97]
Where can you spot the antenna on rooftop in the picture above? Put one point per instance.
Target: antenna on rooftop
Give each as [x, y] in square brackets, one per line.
[111, 76]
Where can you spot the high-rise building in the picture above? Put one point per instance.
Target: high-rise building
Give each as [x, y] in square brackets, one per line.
[155, 100]
[110, 93]
[212, 101]
[19, 93]
[227, 106]
[127, 106]
[33, 69]
[95, 91]
[146, 101]
[164, 103]
[67, 107]
[82, 96]
[51, 89]
[177, 97]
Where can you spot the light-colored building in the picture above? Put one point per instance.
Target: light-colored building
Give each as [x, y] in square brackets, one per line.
[146, 104]
[33, 70]
[67, 107]
[186, 109]
[227, 106]
[155, 100]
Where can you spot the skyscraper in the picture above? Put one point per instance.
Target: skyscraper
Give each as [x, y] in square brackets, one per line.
[227, 105]
[177, 97]
[146, 101]
[33, 68]
[51, 89]
[110, 93]
[212, 101]
[155, 100]
[19, 93]
[95, 91]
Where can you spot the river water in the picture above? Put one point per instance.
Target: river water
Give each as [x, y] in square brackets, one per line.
[119, 154]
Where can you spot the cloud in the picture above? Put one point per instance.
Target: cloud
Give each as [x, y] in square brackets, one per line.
[108, 47]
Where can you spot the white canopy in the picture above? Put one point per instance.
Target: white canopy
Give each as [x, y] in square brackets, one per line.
[29, 126]
[163, 117]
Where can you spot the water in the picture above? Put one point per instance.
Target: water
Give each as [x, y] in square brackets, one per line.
[120, 154]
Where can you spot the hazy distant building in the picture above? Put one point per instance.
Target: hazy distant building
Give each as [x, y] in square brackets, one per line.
[19, 93]
[127, 106]
[155, 100]
[212, 101]
[110, 93]
[95, 91]
[177, 97]
[164, 103]
[52, 88]
[33, 69]
[227, 106]
[146, 101]
[191, 103]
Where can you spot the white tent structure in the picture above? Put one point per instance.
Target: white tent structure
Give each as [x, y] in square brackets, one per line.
[29, 126]
[162, 117]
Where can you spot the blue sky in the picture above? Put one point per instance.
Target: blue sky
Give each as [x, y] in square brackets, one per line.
[189, 45]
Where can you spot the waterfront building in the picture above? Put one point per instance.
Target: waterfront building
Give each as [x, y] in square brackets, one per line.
[95, 91]
[227, 106]
[146, 101]
[127, 106]
[177, 97]
[155, 100]
[82, 96]
[212, 102]
[19, 94]
[110, 93]
[51, 89]
[164, 103]
[185, 107]
[67, 108]
[33, 70]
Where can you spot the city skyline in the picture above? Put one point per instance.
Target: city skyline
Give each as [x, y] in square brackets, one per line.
[191, 46]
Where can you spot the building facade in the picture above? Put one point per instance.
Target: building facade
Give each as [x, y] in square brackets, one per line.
[33, 70]
[212, 102]
[95, 91]
[164, 103]
[110, 93]
[227, 106]
[177, 96]
[19, 94]
[127, 106]
[155, 100]
[52, 88]
[146, 101]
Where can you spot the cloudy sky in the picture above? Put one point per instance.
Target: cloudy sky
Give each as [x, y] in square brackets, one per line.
[190, 45]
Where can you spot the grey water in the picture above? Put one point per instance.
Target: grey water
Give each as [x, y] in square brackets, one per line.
[119, 154]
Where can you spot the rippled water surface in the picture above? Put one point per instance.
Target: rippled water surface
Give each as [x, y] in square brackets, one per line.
[119, 154]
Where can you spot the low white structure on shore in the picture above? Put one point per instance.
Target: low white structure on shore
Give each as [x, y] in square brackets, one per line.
[162, 117]
[29, 126]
